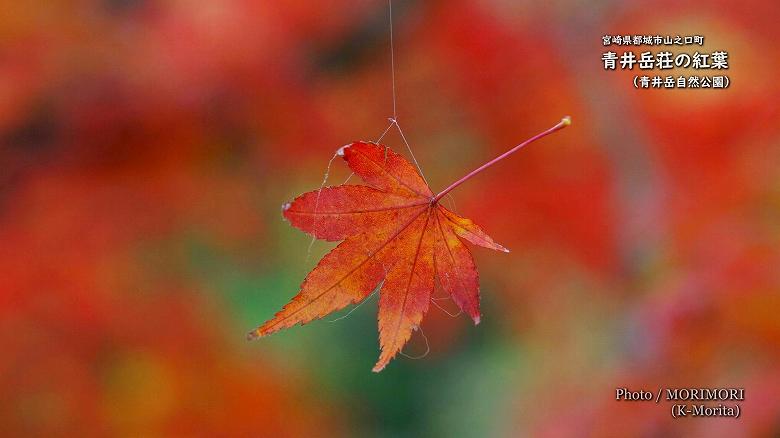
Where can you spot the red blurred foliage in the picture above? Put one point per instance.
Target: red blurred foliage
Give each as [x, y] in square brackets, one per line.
[105, 160]
[644, 238]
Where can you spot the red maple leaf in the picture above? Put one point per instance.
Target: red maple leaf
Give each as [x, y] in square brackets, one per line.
[394, 230]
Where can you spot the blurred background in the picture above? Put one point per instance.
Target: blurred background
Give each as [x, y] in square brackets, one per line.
[147, 147]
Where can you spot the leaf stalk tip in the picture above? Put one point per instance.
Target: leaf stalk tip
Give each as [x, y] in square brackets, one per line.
[566, 121]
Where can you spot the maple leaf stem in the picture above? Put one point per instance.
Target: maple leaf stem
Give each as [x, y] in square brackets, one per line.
[566, 121]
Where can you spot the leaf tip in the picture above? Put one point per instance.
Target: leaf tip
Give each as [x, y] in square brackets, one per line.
[477, 320]
[566, 121]
[377, 368]
[254, 334]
